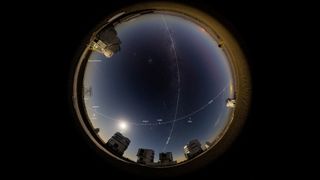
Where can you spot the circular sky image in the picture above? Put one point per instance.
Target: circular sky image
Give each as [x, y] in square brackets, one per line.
[157, 87]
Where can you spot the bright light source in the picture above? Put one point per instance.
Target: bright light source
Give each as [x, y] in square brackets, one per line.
[123, 125]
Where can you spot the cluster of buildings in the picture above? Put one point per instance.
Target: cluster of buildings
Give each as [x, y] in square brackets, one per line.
[118, 144]
[146, 156]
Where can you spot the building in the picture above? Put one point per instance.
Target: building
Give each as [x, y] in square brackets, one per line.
[96, 130]
[230, 103]
[206, 146]
[165, 158]
[87, 91]
[145, 156]
[192, 149]
[106, 42]
[117, 144]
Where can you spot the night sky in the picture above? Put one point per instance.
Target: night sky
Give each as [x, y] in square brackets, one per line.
[139, 85]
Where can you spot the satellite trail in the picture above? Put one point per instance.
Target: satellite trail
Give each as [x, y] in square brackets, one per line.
[160, 122]
[175, 119]
[178, 79]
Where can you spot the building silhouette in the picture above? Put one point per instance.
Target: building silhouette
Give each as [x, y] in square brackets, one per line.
[96, 130]
[87, 91]
[106, 42]
[192, 149]
[230, 103]
[145, 156]
[117, 144]
[208, 144]
[165, 158]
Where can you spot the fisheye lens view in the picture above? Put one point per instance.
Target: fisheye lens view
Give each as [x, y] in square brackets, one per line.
[157, 87]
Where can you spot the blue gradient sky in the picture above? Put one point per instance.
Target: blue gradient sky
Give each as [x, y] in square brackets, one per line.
[139, 83]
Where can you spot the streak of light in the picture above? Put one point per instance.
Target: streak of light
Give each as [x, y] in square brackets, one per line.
[178, 76]
[94, 60]
[170, 121]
